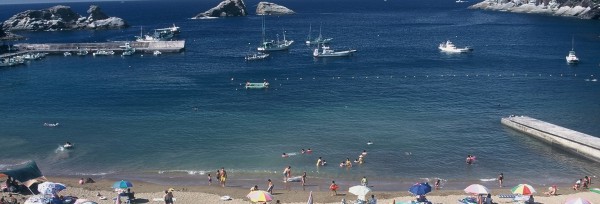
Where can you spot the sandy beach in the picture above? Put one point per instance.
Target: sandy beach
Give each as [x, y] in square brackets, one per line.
[152, 193]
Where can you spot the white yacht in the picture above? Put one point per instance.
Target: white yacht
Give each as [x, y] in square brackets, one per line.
[572, 58]
[325, 51]
[103, 52]
[449, 47]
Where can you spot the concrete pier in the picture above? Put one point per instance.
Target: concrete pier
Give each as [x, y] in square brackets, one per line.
[59, 48]
[579, 143]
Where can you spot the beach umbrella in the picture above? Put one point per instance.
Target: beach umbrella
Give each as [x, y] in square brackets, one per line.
[122, 184]
[523, 189]
[50, 188]
[577, 201]
[310, 198]
[360, 191]
[420, 189]
[477, 189]
[595, 190]
[260, 196]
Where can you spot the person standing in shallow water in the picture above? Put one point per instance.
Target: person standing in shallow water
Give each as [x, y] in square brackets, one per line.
[500, 179]
[223, 176]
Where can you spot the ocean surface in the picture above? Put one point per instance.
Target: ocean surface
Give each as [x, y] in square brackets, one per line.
[175, 117]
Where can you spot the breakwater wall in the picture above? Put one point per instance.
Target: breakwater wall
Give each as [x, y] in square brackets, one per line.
[576, 142]
[163, 46]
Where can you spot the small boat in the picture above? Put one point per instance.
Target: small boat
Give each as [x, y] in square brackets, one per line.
[572, 58]
[449, 47]
[103, 52]
[162, 34]
[262, 85]
[156, 52]
[51, 124]
[31, 56]
[271, 45]
[461, 1]
[328, 52]
[175, 29]
[318, 40]
[67, 54]
[128, 50]
[256, 56]
[82, 53]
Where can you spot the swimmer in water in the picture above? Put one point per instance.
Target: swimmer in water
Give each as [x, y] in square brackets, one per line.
[284, 155]
[364, 153]
[369, 143]
[302, 151]
[308, 151]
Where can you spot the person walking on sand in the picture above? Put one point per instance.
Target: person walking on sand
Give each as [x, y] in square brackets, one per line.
[209, 180]
[303, 180]
[500, 179]
[333, 187]
[223, 176]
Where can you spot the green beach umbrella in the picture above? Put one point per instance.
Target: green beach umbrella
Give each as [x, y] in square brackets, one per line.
[595, 190]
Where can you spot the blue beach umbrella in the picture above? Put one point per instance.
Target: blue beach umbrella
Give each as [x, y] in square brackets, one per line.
[122, 184]
[420, 189]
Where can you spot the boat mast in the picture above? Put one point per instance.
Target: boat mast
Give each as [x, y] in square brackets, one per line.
[320, 36]
[309, 31]
[572, 43]
[263, 30]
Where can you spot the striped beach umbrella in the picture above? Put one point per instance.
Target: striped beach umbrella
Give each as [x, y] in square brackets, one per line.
[578, 201]
[477, 189]
[260, 196]
[523, 189]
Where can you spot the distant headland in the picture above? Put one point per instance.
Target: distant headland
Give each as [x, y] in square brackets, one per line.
[62, 18]
[584, 9]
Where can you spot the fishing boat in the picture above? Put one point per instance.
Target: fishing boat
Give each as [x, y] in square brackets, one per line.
[103, 52]
[271, 45]
[158, 35]
[449, 47]
[263, 85]
[31, 56]
[572, 58]
[318, 40]
[326, 51]
[174, 29]
[128, 50]
[256, 56]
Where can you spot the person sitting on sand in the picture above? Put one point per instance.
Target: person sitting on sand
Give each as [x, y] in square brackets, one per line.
[255, 188]
[488, 199]
[373, 200]
[531, 200]
[333, 187]
[551, 190]
[577, 185]
[81, 181]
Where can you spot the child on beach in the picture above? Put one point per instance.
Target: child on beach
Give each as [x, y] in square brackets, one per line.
[209, 180]
[333, 187]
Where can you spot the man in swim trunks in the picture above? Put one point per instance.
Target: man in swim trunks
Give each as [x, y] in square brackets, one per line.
[223, 176]
[286, 173]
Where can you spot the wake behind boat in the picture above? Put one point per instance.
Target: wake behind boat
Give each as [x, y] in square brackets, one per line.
[449, 47]
[326, 51]
[256, 56]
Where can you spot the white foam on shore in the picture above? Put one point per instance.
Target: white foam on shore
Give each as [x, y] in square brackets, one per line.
[190, 172]
[95, 174]
[487, 179]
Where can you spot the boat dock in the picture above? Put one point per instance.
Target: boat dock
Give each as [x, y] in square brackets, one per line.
[576, 142]
[117, 46]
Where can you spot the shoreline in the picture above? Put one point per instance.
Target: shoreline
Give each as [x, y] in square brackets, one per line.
[293, 194]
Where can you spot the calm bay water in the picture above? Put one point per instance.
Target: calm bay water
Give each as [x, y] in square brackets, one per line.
[157, 118]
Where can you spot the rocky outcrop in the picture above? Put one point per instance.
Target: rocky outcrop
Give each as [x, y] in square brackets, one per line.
[584, 9]
[267, 8]
[225, 9]
[62, 18]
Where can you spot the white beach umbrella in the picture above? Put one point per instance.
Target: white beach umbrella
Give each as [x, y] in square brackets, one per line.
[477, 189]
[360, 191]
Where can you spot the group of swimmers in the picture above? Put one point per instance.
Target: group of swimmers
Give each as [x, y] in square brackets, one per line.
[360, 160]
[470, 159]
[302, 151]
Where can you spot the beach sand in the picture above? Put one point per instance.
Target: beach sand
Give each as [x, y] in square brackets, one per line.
[147, 192]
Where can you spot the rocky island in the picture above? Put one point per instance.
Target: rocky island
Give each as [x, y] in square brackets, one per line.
[584, 9]
[61, 18]
[225, 9]
[267, 8]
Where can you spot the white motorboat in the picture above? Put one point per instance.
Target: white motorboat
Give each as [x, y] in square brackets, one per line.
[128, 50]
[262, 85]
[572, 58]
[449, 47]
[318, 40]
[272, 45]
[67, 54]
[461, 1]
[103, 52]
[256, 56]
[51, 124]
[31, 56]
[326, 51]
[162, 34]
[156, 52]
[82, 53]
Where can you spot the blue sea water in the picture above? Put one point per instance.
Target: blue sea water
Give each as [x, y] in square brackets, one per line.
[172, 118]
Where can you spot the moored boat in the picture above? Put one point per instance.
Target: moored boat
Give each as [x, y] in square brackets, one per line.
[103, 52]
[271, 45]
[326, 51]
[449, 47]
[319, 40]
[263, 85]
[571, 57]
